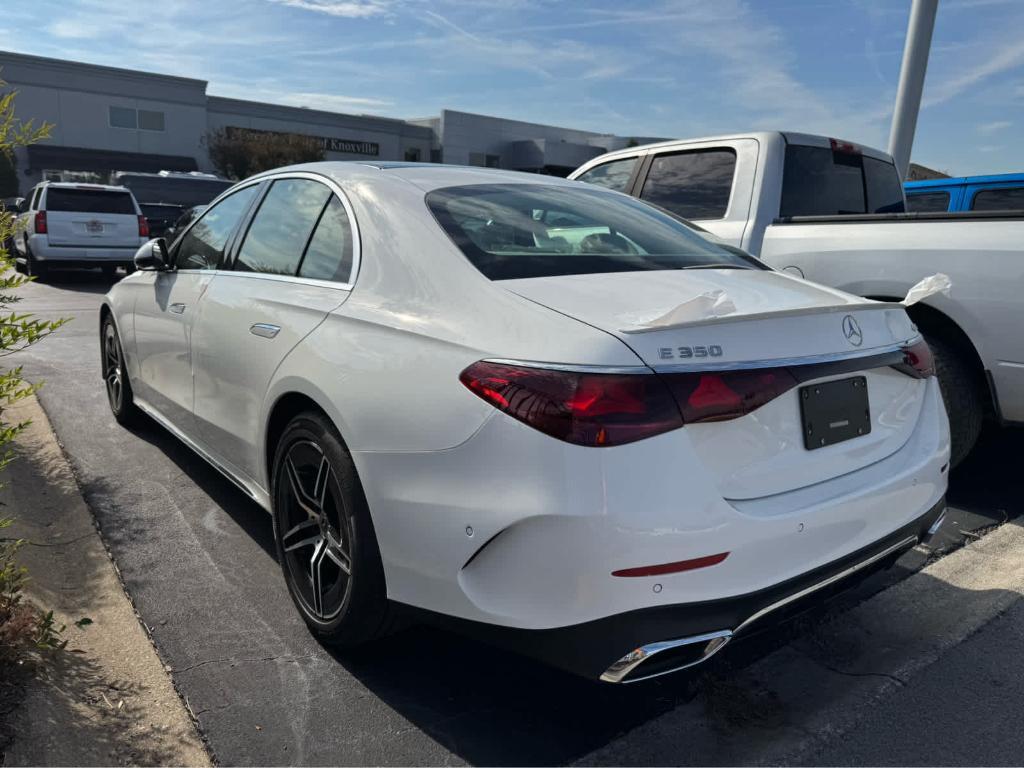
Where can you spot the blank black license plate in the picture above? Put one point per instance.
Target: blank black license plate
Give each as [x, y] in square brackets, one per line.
[834, 412]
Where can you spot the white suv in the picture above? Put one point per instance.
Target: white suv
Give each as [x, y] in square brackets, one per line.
[79, 225]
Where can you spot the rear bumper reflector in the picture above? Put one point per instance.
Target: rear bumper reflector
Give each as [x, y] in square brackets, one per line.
[682, 565]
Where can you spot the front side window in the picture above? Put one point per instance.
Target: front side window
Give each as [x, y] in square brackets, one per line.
[614, 175]
[511, 231]
[202, 247]
[928, 202]
[1007, 199]
[694, 185]
[282, 226]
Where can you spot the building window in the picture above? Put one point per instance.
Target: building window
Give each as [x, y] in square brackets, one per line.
[484, 161]
[143, 119]
[412, 155]
[150, 120]
[122, 117]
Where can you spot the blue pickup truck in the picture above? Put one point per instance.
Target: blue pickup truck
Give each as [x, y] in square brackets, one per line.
[1003, 192]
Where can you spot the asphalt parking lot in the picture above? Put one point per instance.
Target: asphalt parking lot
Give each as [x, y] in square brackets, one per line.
[196, 557]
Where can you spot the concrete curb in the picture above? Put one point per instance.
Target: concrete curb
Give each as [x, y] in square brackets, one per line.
[789, 705]
[108, 700]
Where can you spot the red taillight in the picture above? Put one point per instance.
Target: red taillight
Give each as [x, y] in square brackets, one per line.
[40, 228]
[918, 360]
[143, 227]
[726, 394]
[592, 409]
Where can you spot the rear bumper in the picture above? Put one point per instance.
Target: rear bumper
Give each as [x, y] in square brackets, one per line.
[81, 255]
[649, 642]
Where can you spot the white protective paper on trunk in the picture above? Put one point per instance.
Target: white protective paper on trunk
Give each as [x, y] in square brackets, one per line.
[714, 303]
[929, 286]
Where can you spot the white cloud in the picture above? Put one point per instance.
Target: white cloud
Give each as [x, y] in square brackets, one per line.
[998, 58]
[349, 9]
[987, 129]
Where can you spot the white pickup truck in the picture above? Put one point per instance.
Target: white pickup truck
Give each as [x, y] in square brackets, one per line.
[833, 212]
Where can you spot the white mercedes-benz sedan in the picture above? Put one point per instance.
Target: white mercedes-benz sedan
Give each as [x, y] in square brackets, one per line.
[539, 411]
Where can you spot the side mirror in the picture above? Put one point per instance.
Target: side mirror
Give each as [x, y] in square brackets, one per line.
[152, 255]
[21, 204]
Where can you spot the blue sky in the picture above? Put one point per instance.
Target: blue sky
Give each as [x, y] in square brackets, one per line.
[671, 68]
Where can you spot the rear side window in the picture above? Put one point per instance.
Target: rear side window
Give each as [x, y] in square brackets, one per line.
[614, 175]
[329, 255]
[694, 185]
[818, 181]
[202, 247]
[511, 231]
[281, 229]
[89, 201]
[1008, 199]
[928, 202]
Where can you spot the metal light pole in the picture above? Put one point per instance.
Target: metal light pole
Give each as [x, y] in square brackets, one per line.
[908, 95]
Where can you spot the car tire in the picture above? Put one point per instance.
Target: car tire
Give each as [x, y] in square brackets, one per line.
[109, 271]
[35, 268]
[962, 396]
[115, 376]
[325, 539]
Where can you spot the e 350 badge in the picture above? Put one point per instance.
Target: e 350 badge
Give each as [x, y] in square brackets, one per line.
[686, 353]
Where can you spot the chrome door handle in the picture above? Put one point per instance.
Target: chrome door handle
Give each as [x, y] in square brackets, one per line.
[178, 308]
[264, 330]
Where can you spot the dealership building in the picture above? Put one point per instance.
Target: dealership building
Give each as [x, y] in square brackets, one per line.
[108, 119]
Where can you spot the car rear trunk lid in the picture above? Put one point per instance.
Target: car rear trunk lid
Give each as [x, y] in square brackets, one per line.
[698, 322]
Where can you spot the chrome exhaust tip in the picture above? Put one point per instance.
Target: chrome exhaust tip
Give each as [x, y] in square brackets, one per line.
[664, 657]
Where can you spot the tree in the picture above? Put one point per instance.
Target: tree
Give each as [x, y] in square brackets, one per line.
[20, 624]
[238, 153]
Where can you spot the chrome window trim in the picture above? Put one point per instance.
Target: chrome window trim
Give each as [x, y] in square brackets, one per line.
[741, 365]
[357, 251]
[269, 276]
[570, 367]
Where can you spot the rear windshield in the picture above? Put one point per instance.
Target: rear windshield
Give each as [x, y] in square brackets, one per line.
[88, 201]
[818, 181]
[511, 231]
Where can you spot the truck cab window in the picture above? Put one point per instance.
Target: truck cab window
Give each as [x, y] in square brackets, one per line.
[614, 175]
[1007, 199]
[693, 185]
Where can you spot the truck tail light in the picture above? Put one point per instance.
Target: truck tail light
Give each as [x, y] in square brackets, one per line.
[143, 226]
[725, 395]
[592, 409]
[917, 360]
[40, 227]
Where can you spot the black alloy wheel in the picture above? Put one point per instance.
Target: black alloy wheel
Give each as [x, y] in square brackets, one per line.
[115, 377]
[325, 539]
[316, 531]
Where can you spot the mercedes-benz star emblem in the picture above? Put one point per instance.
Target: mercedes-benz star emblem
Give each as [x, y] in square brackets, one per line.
[852, 331]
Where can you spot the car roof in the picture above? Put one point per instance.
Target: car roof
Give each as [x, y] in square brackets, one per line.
[426, 176]
[994, 178]
[76, 185]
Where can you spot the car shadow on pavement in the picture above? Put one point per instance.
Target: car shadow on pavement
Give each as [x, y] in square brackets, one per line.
[82, 280]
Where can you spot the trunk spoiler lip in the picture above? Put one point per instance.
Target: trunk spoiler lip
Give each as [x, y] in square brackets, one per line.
[875, 357]
[867, 305]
